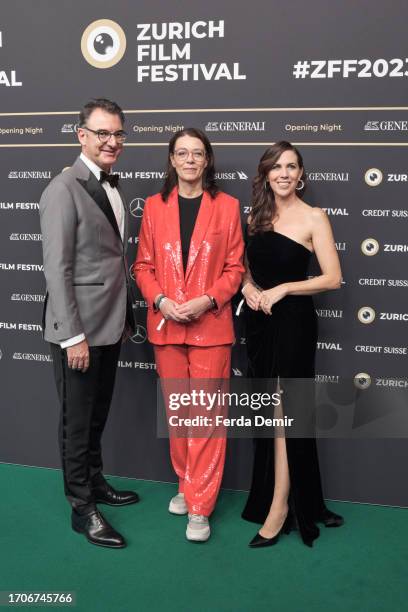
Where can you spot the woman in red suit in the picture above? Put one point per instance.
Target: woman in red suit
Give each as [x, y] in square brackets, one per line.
[188, 267]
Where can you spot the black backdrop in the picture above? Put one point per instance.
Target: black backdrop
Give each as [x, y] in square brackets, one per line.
[346, 115]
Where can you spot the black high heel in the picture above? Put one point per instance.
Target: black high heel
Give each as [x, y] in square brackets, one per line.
[330, 519]
[260, 542]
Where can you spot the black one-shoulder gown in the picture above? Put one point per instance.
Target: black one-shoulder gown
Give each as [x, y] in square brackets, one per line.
[283, 345]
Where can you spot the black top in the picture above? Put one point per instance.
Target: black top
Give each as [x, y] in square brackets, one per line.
[275, 258]
[188, 210]
[283, 344]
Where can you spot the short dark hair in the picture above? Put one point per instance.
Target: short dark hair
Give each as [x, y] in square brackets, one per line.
[104, 104]
[171, 180]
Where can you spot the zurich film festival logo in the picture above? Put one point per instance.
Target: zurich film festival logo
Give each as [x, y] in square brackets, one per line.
[103, 43]
[373, 177]
[136, 207]
[370, 247]
[362, 380]
[366, 315]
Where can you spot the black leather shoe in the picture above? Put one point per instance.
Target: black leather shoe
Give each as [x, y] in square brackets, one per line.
[260, 542]
[97, 530]
[331, 519]
[105, 494]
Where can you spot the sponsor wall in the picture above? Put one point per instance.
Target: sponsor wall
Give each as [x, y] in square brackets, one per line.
[247, 81]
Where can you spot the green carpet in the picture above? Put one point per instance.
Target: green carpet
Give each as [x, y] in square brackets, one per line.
[359, 567]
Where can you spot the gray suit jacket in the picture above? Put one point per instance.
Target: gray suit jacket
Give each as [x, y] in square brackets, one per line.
[88, 287]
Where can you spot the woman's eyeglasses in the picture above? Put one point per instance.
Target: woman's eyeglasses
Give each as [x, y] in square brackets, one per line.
[183, 154]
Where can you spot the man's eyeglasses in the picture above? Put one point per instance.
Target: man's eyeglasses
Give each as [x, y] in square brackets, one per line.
[104, 135]
[183, 154]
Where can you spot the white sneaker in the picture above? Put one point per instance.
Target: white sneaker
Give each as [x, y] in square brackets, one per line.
[178, 504]
[198, 528]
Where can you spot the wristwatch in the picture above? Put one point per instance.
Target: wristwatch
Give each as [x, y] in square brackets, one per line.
[214, 304]
[159, 300]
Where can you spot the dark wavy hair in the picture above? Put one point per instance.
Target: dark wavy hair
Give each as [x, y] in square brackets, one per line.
[171, 180]
[263, 201]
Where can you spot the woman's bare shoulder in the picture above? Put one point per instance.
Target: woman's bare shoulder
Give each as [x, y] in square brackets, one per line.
[314, 213]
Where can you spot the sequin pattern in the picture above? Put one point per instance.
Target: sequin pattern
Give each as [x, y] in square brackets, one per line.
[214, 266]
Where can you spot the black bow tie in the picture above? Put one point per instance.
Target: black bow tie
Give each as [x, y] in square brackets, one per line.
[113, 179]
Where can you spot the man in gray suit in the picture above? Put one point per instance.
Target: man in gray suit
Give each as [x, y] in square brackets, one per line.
[87, 308]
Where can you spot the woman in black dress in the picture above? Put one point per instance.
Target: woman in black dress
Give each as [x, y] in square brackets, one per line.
[282, 233]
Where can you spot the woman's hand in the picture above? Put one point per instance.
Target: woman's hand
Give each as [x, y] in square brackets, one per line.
[252, 295]
[193, 309]
[169, 310]
[271, 296]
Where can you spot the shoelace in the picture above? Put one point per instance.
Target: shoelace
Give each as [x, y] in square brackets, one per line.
[198, 518]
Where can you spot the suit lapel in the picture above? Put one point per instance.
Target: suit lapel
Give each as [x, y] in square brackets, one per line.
[200, 229]
[126, 216]
[93, 187]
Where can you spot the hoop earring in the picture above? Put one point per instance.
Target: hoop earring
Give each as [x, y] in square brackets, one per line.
[266, 185]
[301, 186]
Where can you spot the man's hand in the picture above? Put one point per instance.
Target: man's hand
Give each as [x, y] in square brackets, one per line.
[193, 309]
[78, 356]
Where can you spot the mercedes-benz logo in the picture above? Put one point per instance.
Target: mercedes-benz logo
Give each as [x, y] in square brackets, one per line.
[140, 335]
[136, 207]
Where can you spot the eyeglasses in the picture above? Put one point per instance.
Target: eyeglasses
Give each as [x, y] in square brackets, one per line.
[104, 135]
[183, 154]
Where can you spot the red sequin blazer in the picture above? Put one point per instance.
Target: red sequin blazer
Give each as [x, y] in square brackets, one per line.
[214, 267]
